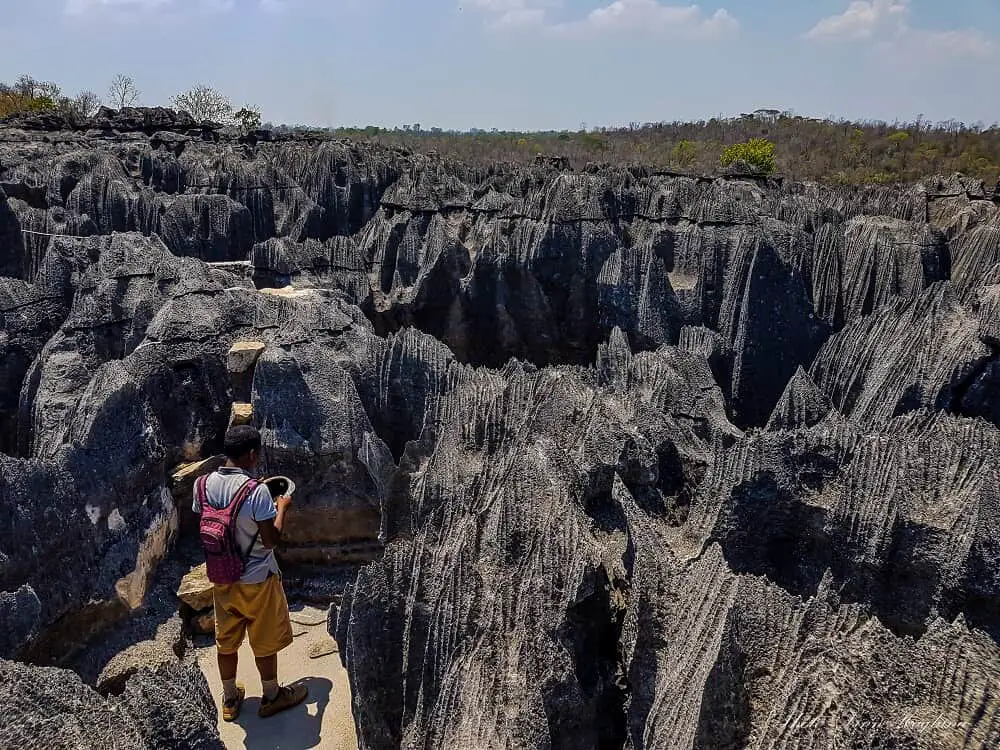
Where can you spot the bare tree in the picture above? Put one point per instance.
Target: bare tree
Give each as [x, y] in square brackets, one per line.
[205, 103]
[84, 105]
[123, 92]
[32, 88]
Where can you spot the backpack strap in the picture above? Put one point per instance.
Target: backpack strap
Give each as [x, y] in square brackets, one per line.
[200, 492]
[238, 499]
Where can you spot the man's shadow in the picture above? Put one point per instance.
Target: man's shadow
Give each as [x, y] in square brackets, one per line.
[296, 728]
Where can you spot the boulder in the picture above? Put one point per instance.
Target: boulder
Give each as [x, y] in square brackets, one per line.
[161, 651]
[159, 537]
[241, 414]
[240, 363]
[323, 647]
[204, 624]
[182, 481]
[308, 616]
[312, 424]
[196, 590]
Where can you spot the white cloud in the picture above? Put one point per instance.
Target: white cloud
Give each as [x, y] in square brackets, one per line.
[79, 7]
[863, 19]
[888, 23]
[650, 15]
[958, 43]
[511, 13]
[133, 7]
[628, 16]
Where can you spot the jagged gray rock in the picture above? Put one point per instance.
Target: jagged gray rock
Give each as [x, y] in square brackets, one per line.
[865, 263]
[802, 404]
[880, 511]
[12, 262]
[211, 227]
[511, 518]
[52, 708]
[117, 284]
[977, 254]
[159, 651]
[533, 397]
[934, 350]
[19, 619]
[334, 264]
[29, 316]
[312, 424]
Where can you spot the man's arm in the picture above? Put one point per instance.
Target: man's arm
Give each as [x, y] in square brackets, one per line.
[270, 529]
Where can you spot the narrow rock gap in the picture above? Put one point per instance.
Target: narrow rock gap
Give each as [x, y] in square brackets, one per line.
[593, 631]
[977, 394]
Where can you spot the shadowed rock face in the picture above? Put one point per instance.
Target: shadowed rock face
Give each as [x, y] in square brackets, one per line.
[169, 707]
[533, 263]
[635, 460]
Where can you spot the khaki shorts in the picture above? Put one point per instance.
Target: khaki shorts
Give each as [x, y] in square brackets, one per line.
[258, 608]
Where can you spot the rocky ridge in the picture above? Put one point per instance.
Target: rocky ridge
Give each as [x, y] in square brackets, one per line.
[638, 460]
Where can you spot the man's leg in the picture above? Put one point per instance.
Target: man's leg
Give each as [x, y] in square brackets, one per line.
[267, 666]
[228, 664]
[270, 632]
[276, 698]
[230, 628]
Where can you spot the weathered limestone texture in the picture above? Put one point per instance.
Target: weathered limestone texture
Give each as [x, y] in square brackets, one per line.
[623, 459]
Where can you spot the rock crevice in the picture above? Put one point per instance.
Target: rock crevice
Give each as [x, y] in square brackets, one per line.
[631, 459]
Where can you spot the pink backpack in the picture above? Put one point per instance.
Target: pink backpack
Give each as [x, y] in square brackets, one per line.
[223, 557]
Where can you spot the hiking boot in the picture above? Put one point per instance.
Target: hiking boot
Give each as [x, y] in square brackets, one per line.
[231, 709]
[288, 696]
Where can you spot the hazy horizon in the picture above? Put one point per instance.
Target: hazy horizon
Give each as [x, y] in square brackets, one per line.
[525, 65]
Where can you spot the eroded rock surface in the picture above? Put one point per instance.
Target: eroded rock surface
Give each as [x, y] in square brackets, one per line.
[635, 460]
[159, 708]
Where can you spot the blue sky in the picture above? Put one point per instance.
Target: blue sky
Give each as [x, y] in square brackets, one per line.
[525, 64]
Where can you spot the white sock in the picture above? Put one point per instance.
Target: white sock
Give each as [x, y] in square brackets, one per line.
[270, 688]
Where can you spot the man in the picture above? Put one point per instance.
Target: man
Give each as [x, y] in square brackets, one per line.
[256, 603]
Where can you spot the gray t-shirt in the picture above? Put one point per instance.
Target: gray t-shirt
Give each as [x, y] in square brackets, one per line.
[220, 489]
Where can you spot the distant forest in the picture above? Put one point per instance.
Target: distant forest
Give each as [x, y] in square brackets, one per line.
[839, 152]
[808, 149]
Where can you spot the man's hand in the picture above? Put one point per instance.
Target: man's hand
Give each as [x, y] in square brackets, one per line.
[270, 531]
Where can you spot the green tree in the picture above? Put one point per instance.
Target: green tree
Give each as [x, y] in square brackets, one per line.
[593, 142]
[29, 95]
[757, 152]
[685, 153]
[856, 147]
[248, 119]
[899, 138]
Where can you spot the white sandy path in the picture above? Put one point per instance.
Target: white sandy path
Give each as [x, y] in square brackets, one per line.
[323, 721]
